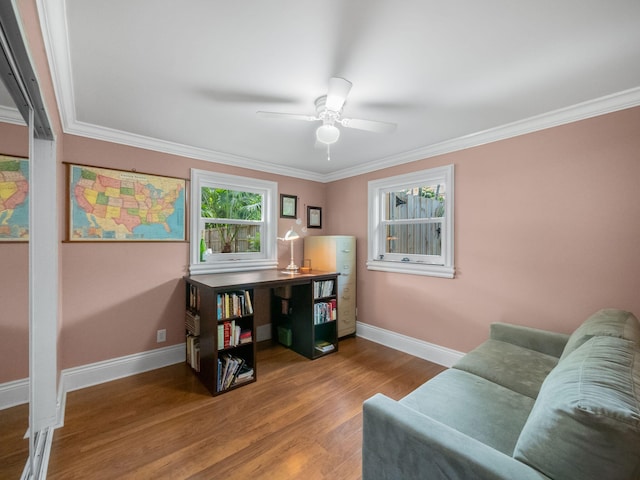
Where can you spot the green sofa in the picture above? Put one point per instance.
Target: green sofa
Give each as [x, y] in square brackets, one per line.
[526, 404]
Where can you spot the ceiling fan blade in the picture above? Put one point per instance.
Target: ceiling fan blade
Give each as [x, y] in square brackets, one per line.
[369, 125]
[288, 116]
[339, 88]
[241, 96]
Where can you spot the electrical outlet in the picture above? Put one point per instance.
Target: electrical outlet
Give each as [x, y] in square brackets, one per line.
[161, 336]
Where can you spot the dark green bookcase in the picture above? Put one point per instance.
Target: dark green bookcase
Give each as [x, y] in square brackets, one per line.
[305, 333]
[294, 311]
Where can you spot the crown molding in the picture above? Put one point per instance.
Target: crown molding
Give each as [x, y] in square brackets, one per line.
[140, 141]
[11, 115]
[608, 104]
[581, 111]
[53, 20]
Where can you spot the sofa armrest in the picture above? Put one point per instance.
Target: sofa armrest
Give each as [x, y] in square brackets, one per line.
[543, 341]
[399, 442]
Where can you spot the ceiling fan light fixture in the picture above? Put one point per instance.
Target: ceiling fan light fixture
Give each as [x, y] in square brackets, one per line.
[327, 134]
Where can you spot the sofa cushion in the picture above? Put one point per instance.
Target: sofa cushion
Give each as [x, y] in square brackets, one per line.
[543, 341]
[480, 409]
[514, 367]
[608, 322]
[586, 421]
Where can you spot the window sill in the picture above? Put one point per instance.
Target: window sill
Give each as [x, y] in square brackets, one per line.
[441, 271]
[231, 266]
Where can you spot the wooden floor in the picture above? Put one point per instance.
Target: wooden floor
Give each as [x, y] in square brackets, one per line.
[301, 419]
[14, 447]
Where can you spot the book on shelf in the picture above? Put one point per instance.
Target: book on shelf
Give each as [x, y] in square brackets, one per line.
[194, 297]
[248, 303]
[193, 352]
[324, 346]
[284, 306]
[323, 288]
[245, 374]
[192, 323]
[229, 369]
[325, 311]
[231, 334]
[228, 328]
[245, 336]
[233, 304]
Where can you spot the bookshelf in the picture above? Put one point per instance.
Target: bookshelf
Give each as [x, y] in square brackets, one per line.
[305, 316]
[220, 321]
[220, 335]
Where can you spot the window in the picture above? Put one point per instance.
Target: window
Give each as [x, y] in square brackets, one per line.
[411, 223]
[233, 223]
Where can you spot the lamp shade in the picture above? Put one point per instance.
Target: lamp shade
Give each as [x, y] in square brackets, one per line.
[291, 235]
[327, 134]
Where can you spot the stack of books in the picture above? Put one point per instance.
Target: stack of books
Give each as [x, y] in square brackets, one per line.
[232, 335]
[192, 323]
[324, 347]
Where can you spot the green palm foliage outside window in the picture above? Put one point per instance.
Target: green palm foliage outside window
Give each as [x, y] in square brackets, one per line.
[235, 222]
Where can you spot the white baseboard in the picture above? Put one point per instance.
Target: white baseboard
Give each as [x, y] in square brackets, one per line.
[101, 372]
[14, 393]
[418, 348]
[17, 392]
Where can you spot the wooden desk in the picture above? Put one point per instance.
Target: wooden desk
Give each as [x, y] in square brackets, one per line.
[304, 303]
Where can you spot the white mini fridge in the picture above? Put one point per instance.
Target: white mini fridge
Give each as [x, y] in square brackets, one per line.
[337, 253]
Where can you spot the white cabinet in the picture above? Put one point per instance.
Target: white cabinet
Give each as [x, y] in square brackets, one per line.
[337, 253]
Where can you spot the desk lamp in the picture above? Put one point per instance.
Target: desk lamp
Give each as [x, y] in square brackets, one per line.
[291, 236]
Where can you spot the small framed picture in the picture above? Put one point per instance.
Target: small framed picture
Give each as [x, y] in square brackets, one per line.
[288, 206]
[314, 217]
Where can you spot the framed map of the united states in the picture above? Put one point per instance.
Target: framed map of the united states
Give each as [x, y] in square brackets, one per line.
[14, 199]
[117, 205]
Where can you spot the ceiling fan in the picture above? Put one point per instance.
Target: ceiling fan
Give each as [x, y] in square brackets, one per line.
[329, 112]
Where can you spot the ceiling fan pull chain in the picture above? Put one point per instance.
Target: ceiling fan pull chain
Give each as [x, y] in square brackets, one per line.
[328, 152]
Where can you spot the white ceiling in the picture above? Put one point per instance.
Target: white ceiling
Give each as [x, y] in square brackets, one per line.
[188, 76]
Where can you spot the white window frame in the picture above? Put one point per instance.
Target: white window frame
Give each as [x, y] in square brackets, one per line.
[267, 258]
[436, 266]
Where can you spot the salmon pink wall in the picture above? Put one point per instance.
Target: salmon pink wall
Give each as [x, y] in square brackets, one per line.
[547, 231]
[14, 280]
[115, 296]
